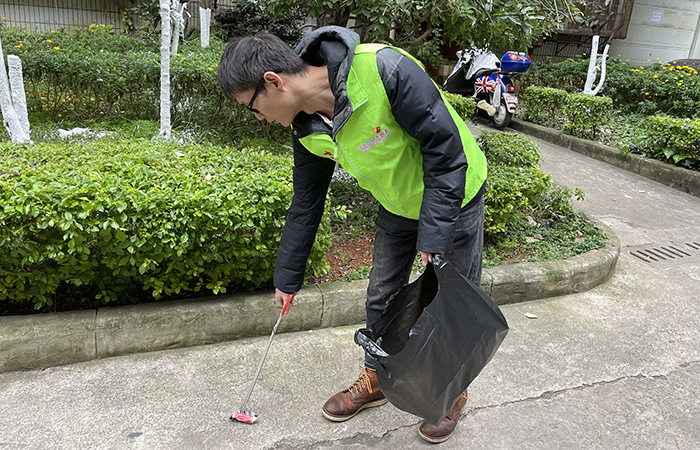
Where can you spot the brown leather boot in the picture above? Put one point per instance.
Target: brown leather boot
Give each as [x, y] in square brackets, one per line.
[364, 393]
[442, 431]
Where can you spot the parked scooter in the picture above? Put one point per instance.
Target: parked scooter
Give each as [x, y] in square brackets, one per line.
[482, 76]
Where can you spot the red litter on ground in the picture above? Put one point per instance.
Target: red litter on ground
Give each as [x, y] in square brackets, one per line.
[247, 417]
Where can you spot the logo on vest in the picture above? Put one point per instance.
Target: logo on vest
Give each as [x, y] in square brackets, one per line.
[376, 140]
[330, 155]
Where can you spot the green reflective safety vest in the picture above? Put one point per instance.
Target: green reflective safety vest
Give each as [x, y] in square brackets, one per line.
[373, 148]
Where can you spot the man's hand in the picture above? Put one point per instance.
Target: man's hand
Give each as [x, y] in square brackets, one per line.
[281, 296]
[425, 258]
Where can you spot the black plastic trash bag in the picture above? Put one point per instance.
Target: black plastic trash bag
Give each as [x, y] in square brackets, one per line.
[435, 337]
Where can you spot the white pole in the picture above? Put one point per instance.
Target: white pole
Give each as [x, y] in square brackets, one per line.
[204, 26]
[590, 78]
[19, 97]
[165, 69]
[603, 71]
[9, 115]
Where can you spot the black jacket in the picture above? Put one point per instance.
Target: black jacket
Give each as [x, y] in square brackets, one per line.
[409, 89]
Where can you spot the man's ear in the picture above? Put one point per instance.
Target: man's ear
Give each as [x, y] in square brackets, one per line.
[275, 79]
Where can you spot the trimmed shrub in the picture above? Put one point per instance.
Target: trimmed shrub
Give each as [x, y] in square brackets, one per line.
[464, 106]
[586, 115]
[87, 73]
[514, 183]
[91, 73]
[670, 89]
[672, 140]
[543, 105]
[131, 220]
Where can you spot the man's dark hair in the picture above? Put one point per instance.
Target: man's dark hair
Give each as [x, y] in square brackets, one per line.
[246, 59]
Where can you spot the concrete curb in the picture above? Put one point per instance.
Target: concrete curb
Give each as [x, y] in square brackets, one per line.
[684, 180]
[34, 342]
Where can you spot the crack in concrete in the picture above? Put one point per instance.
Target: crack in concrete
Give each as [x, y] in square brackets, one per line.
[368, 440]
[490, 282]
[547, 395]
[402, 427]
[323, 306]
[94, 333]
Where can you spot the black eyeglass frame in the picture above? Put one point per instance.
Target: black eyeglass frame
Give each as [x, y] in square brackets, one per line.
[261, 83]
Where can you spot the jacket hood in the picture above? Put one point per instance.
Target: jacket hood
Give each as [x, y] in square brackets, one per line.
[310, 46]
[334, 47]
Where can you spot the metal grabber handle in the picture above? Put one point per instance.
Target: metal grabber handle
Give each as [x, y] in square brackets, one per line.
[285, 310]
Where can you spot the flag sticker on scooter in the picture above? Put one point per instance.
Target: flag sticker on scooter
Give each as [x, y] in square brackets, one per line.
[487, 83]
[376, 140]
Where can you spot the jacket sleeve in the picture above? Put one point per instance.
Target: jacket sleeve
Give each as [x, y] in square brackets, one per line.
[311, 176]
[418, 107]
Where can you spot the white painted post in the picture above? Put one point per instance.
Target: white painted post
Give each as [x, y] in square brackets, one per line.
[603, 71]
[165, 127]
[204, 26]
[595, 64]
[178, 22]
[19, 97]
[590, 78]
[9, 114]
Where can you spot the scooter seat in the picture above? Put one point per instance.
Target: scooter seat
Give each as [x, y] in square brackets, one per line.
[485, 71]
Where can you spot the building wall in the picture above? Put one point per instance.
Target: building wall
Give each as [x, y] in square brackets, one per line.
[661, 31]
[47, 15]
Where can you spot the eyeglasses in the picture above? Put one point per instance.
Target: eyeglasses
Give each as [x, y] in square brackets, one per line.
[261, 83]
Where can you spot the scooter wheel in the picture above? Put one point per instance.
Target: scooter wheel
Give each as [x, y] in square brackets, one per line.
[502, 117]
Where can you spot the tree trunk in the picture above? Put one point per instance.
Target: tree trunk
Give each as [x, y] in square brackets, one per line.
[177, 11]
[165, 69]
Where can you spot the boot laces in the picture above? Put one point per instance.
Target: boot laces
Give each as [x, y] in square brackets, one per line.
[362, 381]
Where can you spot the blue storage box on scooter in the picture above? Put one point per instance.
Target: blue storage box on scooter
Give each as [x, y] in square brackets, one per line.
[515, 62]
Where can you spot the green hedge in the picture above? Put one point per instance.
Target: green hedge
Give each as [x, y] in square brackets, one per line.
[584, 115]
[121, 219]
[91, 73]
[464, 106]
[543, 105]
[672, 140]
[654, 89]
[514, 183]
[668, 139]
[87, 72]
[587, 114]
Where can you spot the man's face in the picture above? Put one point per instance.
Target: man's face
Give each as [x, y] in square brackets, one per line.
[268, 101]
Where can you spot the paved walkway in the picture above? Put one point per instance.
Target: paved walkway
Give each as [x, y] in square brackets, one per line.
[616, 367]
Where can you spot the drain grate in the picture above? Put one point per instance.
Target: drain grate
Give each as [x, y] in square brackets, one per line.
[671, 253]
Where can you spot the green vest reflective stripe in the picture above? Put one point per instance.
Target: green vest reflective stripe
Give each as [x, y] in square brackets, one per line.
[374, 149]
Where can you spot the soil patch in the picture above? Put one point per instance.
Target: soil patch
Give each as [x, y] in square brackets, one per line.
[350, 257]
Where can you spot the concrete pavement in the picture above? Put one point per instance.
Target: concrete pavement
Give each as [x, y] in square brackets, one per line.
[613, 367]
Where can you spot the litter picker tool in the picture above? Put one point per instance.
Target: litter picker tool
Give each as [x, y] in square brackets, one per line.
[243, 414]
